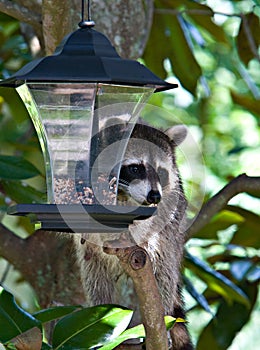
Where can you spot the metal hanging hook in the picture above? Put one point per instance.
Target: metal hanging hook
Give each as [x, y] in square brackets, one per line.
[86, 23]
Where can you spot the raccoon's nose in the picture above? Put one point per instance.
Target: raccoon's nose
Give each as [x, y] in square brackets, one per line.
[153, 197]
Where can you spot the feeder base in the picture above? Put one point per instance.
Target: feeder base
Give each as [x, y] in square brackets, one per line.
[77, 218]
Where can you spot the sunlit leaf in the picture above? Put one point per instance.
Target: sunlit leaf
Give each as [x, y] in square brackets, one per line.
[220, 221]
[136, 332]
[90, 327]
[13, 320]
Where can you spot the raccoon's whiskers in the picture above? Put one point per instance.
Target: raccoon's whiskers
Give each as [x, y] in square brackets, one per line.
[123, 182]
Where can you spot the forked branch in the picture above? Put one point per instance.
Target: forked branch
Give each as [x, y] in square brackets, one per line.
[241, 183]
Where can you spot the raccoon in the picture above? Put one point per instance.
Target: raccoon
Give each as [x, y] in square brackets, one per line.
[148, 176]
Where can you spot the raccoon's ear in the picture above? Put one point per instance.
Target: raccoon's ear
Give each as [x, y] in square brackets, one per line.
[177, 134]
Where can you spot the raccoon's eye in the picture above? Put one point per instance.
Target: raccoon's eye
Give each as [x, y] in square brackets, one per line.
[136, 169]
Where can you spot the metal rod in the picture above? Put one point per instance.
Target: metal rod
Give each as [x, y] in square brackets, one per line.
[86, 23]
[82, 10]
[89, 10]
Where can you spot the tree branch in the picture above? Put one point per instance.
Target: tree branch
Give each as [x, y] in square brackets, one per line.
[199, 12]
[11, 246]
[44, 259]
[32, 5]
[242, 183]
[21, 13]
[56, 22]
[136, 263]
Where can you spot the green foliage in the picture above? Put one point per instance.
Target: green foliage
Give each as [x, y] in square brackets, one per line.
[13, 320]
[136, 333]
[230, 272]
[76, 328]
[229, 320]
[216, 281]
[91, 327]
[220, 55]
[16, 168]
[248, 38]
[179, 52]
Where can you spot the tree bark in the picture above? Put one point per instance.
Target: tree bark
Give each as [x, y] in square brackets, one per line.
[126, 23]
[56, 23]
[46, 261]
[136, 263]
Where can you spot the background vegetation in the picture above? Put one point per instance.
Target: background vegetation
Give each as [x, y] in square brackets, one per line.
[211, 48]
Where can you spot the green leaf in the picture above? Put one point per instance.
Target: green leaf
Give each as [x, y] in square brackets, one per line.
[248, 38]
[247, 233]
[136, 332]
[54, 313]
[201, 300]
[174, 45]
[13, 320]
[228, 321]
[219, 222]
[16, 168]
[22, 193]
[15, 104]
[215, 280]
[90, 327]
[248, 103]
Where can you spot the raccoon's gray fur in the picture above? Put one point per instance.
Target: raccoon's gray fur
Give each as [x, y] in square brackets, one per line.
[103, 279]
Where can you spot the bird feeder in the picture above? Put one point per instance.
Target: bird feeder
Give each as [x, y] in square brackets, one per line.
[74, 98]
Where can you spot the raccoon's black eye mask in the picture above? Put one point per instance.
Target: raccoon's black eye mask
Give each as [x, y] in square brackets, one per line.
[137, 169]
[132, 172]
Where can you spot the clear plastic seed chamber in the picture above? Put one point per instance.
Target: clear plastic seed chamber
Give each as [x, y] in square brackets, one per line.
[83, 130]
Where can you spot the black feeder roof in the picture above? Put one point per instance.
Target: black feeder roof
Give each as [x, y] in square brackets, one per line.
[87, 56]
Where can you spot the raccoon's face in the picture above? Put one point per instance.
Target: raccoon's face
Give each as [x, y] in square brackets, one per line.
[139, 181]
[149, 168]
